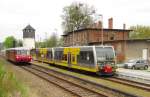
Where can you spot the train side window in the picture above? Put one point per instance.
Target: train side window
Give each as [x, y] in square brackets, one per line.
[49, 54]
[73, 58]
[58, 55]
[18, 52]
[86, 57]
[38, 53]
[23, 52]
[65, 57]
[28, 52]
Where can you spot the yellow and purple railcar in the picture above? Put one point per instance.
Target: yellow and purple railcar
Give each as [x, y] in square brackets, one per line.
[98, 59]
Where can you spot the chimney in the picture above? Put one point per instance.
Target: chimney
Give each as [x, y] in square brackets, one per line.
[99, 24]
[94, 25]
[110, 23]
[124, 26]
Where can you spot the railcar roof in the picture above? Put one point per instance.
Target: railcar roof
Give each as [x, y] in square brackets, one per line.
[86, 46]
[78, 46]
[19, 48]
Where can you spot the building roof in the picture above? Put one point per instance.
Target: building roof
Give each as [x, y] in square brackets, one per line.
[96, 29]
[29, 27]
[19, 48]
[139, 39]
[127, 40]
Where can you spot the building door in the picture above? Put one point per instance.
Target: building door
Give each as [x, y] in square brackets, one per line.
[145, 54]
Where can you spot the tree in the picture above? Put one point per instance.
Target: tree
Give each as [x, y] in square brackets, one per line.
[10, 42]
[41, 44]
[77, 16]
[60, 41]
[50, 42]
[140, 31]
[19, 43]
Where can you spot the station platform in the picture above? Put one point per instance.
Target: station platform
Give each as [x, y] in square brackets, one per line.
[138, 75]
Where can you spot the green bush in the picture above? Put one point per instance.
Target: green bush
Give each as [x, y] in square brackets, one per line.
[9, 85]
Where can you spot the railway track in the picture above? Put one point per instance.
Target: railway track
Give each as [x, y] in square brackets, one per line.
[43, 72]
[130, 83]
[84, 92]
[75, 89]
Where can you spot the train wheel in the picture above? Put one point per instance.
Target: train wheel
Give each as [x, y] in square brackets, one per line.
[133, 67]
[145, 67]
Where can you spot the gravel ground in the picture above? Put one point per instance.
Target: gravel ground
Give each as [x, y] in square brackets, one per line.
[37, 87]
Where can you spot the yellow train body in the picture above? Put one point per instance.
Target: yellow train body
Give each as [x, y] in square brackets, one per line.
[69, 57]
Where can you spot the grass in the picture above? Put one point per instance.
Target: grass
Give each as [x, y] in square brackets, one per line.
[9, 85]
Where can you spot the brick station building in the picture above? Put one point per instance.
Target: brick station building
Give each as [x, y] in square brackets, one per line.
[119, 38]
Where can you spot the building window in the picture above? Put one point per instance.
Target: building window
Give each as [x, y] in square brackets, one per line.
[112, 36]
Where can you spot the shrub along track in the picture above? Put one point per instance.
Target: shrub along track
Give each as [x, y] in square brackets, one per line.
[77, 86]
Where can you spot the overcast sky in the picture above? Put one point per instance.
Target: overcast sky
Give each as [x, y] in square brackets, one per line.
[44, 15]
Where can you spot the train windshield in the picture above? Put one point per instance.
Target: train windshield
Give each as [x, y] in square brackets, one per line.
[23, 52]
[104, 54]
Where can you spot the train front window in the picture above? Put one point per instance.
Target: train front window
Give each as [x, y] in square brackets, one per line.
[23, 52]
[104, 54]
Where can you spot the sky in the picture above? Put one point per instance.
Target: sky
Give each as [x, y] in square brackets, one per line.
[45, 15]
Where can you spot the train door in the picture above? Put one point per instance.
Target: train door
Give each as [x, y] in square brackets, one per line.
[145, 54]
[73, 59]
[74, 53]
[69, 59]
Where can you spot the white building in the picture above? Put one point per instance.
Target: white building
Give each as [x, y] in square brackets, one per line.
[29, 37]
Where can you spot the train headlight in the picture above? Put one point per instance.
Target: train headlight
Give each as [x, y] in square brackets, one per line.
[29, 57]
[17, 57]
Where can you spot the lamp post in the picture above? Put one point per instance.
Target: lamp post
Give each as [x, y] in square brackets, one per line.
[72, 33]
[46, 39]
[102, 33]
[73, 36]
[86, 17]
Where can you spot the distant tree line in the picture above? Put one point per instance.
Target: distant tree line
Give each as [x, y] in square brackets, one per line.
[52, 41]
[140, 32]
[11, 42]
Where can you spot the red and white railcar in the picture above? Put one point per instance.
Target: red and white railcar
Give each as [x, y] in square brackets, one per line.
[18, 55]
